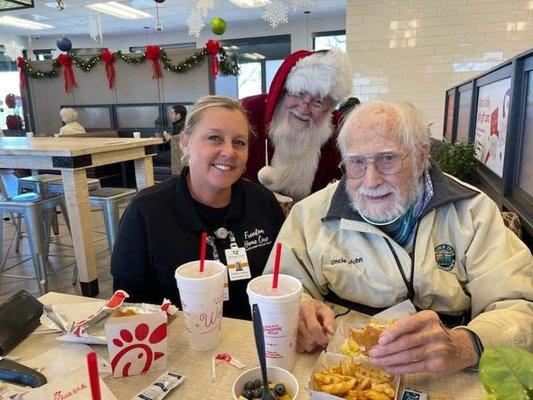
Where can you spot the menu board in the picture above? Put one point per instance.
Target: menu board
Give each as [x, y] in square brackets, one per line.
[448, 127]
[491, 124]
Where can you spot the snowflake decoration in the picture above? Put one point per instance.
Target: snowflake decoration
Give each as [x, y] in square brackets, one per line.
[13, 50]
[195, 23]
[301, 3]
[276, 13]
[196, 20]
[203, 6]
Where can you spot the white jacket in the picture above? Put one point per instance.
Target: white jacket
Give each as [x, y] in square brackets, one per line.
[484, 270]
[72, 128]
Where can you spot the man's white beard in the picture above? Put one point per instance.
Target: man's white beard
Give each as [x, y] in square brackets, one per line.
[297, 152]
[383, 212]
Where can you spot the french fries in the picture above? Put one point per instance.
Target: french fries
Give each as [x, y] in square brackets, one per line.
[354, 381]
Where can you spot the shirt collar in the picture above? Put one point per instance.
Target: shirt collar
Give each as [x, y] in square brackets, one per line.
[187, 214]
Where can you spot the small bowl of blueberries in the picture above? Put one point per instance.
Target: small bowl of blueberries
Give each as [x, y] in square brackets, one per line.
[282, 385]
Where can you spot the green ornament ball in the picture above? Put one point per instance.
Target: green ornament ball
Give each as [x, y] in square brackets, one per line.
[218, 26]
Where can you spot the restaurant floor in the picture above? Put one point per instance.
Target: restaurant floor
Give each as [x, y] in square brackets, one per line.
[60, 262]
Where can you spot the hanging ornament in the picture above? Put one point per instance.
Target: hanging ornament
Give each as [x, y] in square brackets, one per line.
[160, 1]
[64, 44]
[218, 26]
[276, 13]
[158, 27]
[13, 50]
[196, 19]
[10, 100]
[60, 6]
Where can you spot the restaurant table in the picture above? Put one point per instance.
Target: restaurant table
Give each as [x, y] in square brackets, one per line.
[72, 157]
[237, 340]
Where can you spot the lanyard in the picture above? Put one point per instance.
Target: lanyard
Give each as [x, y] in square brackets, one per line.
[221, 235]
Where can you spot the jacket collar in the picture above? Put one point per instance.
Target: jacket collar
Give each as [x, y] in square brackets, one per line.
[445, 190]
[188, 216]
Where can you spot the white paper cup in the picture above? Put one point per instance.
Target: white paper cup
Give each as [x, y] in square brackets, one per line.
[202, 297]
[56, 134]
[137, 135]
[279, 312]
[29, 134]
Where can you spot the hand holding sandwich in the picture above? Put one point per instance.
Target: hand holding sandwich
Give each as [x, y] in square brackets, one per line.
[421, 343]
[315, 323]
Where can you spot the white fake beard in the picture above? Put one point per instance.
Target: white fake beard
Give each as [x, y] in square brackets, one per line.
[297, 152]
[382, 212]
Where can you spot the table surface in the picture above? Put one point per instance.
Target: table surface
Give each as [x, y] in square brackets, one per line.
[64, 146]
[237, 339]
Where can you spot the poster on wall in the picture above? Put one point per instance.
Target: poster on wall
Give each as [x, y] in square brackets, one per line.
[491, 124]
[450, 107]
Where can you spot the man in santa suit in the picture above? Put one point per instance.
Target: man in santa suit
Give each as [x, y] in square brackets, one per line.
[297, 124]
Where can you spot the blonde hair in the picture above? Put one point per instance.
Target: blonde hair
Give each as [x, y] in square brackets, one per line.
[398, 119]
[68, 115]
[207, 102]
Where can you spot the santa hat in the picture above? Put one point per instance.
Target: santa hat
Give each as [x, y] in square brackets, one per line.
[323, 73]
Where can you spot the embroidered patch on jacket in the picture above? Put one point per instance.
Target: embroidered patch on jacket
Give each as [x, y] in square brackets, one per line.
[445, 256]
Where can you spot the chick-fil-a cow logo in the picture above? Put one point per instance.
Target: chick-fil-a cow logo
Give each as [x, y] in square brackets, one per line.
[137, 354]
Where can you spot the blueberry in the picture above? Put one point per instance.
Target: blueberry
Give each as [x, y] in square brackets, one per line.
[279, 389]
[249, 394]
[258, 383]
[258, 393]
[249, 385]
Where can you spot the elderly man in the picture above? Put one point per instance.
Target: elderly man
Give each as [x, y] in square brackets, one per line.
[395, 228]
[298, 119]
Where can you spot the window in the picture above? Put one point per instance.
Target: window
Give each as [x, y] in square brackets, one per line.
[166, 47]
[525, 178]
[43, 54]
[332, 40]
[259, 60]
[463, 115]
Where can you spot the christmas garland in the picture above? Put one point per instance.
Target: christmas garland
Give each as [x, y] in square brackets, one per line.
[219, 59]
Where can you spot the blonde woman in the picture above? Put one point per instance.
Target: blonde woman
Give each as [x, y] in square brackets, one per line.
[161, 228]
[70, 117]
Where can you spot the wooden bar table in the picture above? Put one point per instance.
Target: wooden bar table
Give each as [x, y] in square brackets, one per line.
[72, 156]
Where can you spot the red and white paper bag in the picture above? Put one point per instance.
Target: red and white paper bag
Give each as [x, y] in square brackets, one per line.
[137, 343]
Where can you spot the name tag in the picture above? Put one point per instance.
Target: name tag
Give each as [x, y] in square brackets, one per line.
[237, 261]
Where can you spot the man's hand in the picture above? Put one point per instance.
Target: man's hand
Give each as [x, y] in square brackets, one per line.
[316, 321]
[420, 343]
[167, 136]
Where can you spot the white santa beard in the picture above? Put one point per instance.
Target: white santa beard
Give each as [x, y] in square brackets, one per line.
[296, 154]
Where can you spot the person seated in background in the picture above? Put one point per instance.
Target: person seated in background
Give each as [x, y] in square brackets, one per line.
[161, 228]
[70, 117]
[178, 115]
[395, 228]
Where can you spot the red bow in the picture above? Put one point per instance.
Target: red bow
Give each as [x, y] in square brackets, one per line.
[213, 47]
[22, 75]
[152, 53]
[66, 62]
[109, 59]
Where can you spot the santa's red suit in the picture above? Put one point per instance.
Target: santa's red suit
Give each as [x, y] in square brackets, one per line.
[297, 77]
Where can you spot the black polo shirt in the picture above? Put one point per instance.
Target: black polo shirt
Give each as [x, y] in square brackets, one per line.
[161, 229]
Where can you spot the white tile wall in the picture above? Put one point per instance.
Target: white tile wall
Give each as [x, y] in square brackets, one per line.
[415, 50]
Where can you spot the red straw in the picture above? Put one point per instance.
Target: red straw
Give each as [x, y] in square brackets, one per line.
[94, 380]
[276, 266]
[202, 251]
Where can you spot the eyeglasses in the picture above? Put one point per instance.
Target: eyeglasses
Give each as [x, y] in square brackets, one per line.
[318, 103]
[386, 164]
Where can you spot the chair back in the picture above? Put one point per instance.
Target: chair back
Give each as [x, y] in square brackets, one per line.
[9, 183]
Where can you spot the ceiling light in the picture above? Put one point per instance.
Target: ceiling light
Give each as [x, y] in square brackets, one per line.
[23, 23]
[118, 10]
[249, 3]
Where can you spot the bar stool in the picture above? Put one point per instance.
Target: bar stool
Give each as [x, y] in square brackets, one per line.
[32, 207]
[110, 199]
[37, 183]
[57, 186]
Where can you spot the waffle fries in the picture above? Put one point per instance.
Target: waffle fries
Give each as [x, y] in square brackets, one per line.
[354, 381]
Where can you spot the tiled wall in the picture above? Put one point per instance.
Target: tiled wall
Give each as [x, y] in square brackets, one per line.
[414, 50]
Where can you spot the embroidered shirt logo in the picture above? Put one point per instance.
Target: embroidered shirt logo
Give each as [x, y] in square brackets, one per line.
[343, 260]
[445, 256]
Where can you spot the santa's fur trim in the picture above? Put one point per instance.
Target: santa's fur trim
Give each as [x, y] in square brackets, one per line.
[324, 73]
